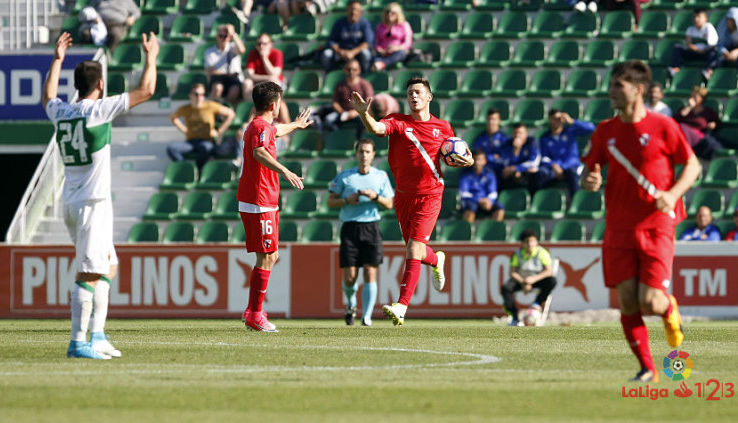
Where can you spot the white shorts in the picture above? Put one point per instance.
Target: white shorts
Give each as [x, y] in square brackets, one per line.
[90, 224]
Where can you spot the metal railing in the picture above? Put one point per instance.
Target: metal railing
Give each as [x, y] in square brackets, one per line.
[24, 23]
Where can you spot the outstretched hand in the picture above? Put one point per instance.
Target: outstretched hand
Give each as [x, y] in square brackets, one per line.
[150, 45]
[62, 44]
[593, 180]
[303, 120]
[360, 105]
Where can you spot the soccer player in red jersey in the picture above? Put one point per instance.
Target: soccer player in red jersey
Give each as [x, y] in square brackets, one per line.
[258, 194]
[414, 142]
[643, 207]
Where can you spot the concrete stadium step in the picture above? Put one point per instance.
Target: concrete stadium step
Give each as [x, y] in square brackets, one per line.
[53, 231]
[138, 179]
[131, 202]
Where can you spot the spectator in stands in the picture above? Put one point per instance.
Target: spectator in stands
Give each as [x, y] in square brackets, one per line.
[223, 64]
[700, 44]
[342, 111]
[351, 38]
[654, 103]
[560, 150]
[265, 63]
[733, 235]
[118, 16]
[519, 160]
[197, 121]
[698, 123]
[393, 38]
[384, 104]
[478, 191]
[703, 230]
[727, 40]
[632, 5]
[91, 27]
[244, 12]
[492, 140]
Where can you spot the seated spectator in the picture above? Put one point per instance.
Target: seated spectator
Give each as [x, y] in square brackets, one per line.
[91, 27]
[733, 235]
[632, 5]
[197, 121]
[654, 103]
[560, 150]
[118, 16]
[519, 160]
[341, 110]
[265, 63]
[223, 65]
[703, 230]
[393, 38]
[351, 38]
[700, 44]
[492, 140]
[727, 29]
[478, 191]
[697, 122]
[384, 104]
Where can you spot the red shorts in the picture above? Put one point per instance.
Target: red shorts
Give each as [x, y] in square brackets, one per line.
[644, 254]
[417, 214]
[262, 231]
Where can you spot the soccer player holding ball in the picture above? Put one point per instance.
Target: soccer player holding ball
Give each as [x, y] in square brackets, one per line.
[643, 207]
[414, 144]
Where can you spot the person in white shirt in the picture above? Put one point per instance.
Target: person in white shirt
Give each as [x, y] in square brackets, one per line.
[654, 103]
[223, 65]
[700, 44]
[91, 27]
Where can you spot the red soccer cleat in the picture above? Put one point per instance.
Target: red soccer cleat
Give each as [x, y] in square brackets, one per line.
[258, 321]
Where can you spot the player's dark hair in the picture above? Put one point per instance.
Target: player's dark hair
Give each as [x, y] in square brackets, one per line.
[86, 76]
[527, 234]
[699, 11]
[553, 112]
[493, 111]
[364, 141]
[418, 80]
[264, 94]
[633, 71]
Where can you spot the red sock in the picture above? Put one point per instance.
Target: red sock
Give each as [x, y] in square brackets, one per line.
[430, 257]
[257, 288]
[636, 333]
[409, 280]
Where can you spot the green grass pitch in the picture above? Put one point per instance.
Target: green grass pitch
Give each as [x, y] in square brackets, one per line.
[323, 371]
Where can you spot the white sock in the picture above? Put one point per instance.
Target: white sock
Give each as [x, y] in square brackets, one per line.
[81, 311]
[100, 310]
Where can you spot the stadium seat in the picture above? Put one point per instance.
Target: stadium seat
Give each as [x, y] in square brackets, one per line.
[160, 7]
[582, 83]
[564, 53]
[513, 24]
[449, 203]
[722, 173]
[126, 57]
[318, 231]
[548, 203]
[662, 52]
[460, 113]
[491, 230]
[561, 5]
[568, 230]
[290, 51]
[681, 227]
[598, 231]
[476, 83]
[617, 24]
[598, 109]
[712, 198]
[339, 143]
[381, 144]
[216, 175]
[480, 25]
[179, 232]
[567, 105]
[303, 144]
[510, 83]
[143, 25]
[442, 26]
[456, 230]
[212, 232]
[547, 24]
[684, 81]
[444, 83]
[399, 83]
[516, 202]
[377, 6]
[502, 105]
[521, 225]
[171, 57]
[265, 23]
[186, 81]
[380, 81]
[679, 24]
[328, 22]
[288, 231]
[431, 47]
[243, 110]
[144, 232]
[295, 167]
[635, 49]
[162, 86]
[529, 54]
[390, 229]
[725, 226]
[723, 82]
[456, 5]
[300, 204]
[70, 24]
[545, 83]
[599, 53]
[451, 176]
[323, 211]
[226, 208]
[117, 83]
[238, 233]
[332, 79]
[530, 112]
[179, 176]
[654, 24]
[320, 173]
[665, 4]
[200, 7]
[581, 25]
[304, 84]
[198, 59]
[459, 54]
[491, 5]
[587, 205]
[162, 206]
[730, 115]
[495, 53]
[527, 5]
[196, 206]
[187, 29]
[301, 27]
[732, 205]
[471, 133]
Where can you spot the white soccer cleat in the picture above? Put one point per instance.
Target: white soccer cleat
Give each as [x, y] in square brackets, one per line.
[396, 312]
[100, 343]
[439, 278]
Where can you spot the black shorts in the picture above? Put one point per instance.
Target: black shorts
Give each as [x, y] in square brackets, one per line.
[227, 81]
[361, 244]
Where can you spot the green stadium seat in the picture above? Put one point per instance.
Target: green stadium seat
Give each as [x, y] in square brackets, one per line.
[238, 233]
[548, 203]
[662, 52]
[456, 5]
[320, 174]
[617, 24]
[243, 110]
[459, 54]
[675, 103]
[665, 4]
[521, 225]
[290, 51]
[732, 206]
[491, 230]
[530, 112]
[323, 211]
[200, 7]
[288, 231]
[661, 75]
[684, 81]
[144, 232]
[513, 24]
[416, 23]
[725, 226]
[598, 231]
[71, 25]
[198, 59]
[480, 25]
[516, 202]
[547, 24]
[730, 115]
[444, 83]
[431, 47]
[587, 205]
[304, 84]
[442, 26]
[332, 79]
[527, 5]
[210, 232]
[187, 29]
[723, 82]
[529, 54]
[510, 83]
[294, 167]
[582, 83]
[143, 25]
[376, 6]
[318, 231]
[729, 137]
[80, 4]
[581, 25]
[186, 81]
[456, 230]
[460, 113]
[126, 57]
[722, 173]
[449, 203]
[545, 83]
[216, 175]
[303, 144]
[679, 24]
[162, 86]
[374, 18]
[300, 205]
[451, 176]
[491, 5]
[390, 229]
[435, 107]
[179, 232]
[495, 53]
[117, 83]
[160, 7]
[635, 49]
[380, 81]
[714, 104]
[162, 206]
[567, 105]
[265, 23]
[196, 206]
[339, 143]
[599, 53]
[681, 227]
[384, 165]
[598, 109]
[381, 144]
[179, 176]
[568, 230]
[473, 131]
[328, 22]
[562, 5]
[654, 24]
[502, 105]
[564, 53]
[712, 198]
[171, 57]
[301, 27]
[226, 208]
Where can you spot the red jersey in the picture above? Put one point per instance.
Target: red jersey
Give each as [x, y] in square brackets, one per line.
[413, 152]
[259, 185]
[255, 62]
[653, 146]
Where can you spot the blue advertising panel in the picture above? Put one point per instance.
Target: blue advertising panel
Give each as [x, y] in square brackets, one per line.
[22, 78]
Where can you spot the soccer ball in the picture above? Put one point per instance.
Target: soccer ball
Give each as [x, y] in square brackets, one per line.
[532, 316]
[452, 149]
[678, 365]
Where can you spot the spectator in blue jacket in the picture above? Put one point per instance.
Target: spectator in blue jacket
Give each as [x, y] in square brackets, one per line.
[351, 38]
[560, 151]
[703, 230]
[492, 139]
[478, 191]
[519, 160]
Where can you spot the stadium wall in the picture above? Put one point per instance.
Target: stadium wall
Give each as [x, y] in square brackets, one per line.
[211, 281]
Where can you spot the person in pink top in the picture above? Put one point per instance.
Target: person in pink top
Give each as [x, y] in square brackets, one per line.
[392, 39]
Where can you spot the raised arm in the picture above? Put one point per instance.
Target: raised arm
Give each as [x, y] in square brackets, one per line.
[302, 122]
[362, 107]
[51, 87]
[147, 85]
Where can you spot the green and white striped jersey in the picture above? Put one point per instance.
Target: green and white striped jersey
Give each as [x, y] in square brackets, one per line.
[83, 132]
